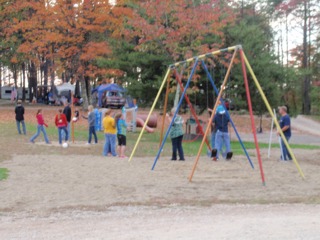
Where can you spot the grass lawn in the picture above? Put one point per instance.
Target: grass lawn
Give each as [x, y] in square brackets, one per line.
[3, 173]
[11, 143]
[148, 145]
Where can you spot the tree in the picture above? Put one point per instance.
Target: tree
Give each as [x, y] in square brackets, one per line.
[254, 32]
[305, 14]
[162, 32]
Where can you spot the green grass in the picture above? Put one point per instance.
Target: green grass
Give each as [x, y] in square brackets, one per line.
[192, 148]
[148, 146]
[3, 173]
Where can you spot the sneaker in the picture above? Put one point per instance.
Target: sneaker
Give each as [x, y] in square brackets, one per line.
[181, 159]
[229, 156]
[32, 141]
[88, 143]
[214, 153]
[173, 159]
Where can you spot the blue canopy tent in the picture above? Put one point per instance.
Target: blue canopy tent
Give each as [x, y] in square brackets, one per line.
[108, 87]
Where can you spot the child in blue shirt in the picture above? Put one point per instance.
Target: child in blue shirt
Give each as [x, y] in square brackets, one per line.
[121, 134]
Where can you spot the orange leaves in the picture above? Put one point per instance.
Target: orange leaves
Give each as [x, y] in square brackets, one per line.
[179, 26]
[71, 32]
[93, 50]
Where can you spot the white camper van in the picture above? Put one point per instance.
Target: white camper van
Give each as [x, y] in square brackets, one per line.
[7, 90]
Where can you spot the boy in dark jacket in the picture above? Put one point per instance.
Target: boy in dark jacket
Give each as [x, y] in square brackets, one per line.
[19, 111]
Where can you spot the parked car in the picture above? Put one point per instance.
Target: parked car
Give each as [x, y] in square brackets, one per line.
[113, 99]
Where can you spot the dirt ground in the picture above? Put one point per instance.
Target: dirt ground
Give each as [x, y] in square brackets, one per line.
[85, 196]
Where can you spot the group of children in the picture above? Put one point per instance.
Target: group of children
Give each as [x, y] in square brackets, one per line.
[114, 128]
[61, 123]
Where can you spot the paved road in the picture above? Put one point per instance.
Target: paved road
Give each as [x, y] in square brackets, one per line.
[305, 131]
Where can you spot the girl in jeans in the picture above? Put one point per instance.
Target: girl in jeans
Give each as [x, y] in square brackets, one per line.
[121, 134]
[40, 128]
[110, 132]
[176, 135]
[92, 125]
[61, 123]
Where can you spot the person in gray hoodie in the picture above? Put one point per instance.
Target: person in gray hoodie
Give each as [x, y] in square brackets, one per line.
[19, 111]
[92, 124]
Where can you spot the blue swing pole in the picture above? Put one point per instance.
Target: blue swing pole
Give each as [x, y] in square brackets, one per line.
[222, 102]
[176, 112]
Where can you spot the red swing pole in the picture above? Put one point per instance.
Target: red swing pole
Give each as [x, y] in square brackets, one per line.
[245, 77]
[191, 108]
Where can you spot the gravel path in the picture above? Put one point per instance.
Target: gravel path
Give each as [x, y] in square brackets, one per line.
[294, 222]
[304, 131]
[306, 125]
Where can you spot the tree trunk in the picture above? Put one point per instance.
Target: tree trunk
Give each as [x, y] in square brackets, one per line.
[88, 90]
[15, 78]
[306, 81]
[84, 92]
[45, 77]
[77, 91]
[23, 82]
[32, 81]
[0, 81]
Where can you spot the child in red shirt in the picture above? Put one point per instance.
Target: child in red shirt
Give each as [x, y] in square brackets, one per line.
[61, 123]
[40, 128]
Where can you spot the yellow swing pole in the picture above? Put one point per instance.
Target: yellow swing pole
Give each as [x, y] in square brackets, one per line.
[264, 98]
[149, 115]
[212, 115]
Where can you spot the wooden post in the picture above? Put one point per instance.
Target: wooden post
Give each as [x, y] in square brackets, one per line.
[164, 110]
[72, 115]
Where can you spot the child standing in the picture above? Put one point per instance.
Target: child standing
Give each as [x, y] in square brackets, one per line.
[110, 132]
[92, 124]
[121, 134]
[40, 128]
[61, 123]
[176, 135]
[19, 111]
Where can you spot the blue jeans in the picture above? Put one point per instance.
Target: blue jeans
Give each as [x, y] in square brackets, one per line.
[285, 153]
[213, 140]
[69, 133]
[177, 145]
[110, 144]
[92, 131]
[222, 138]
[23, 127]
[65, 135]
[40, 129]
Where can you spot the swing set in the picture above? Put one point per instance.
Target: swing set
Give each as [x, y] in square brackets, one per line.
[199, 61]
